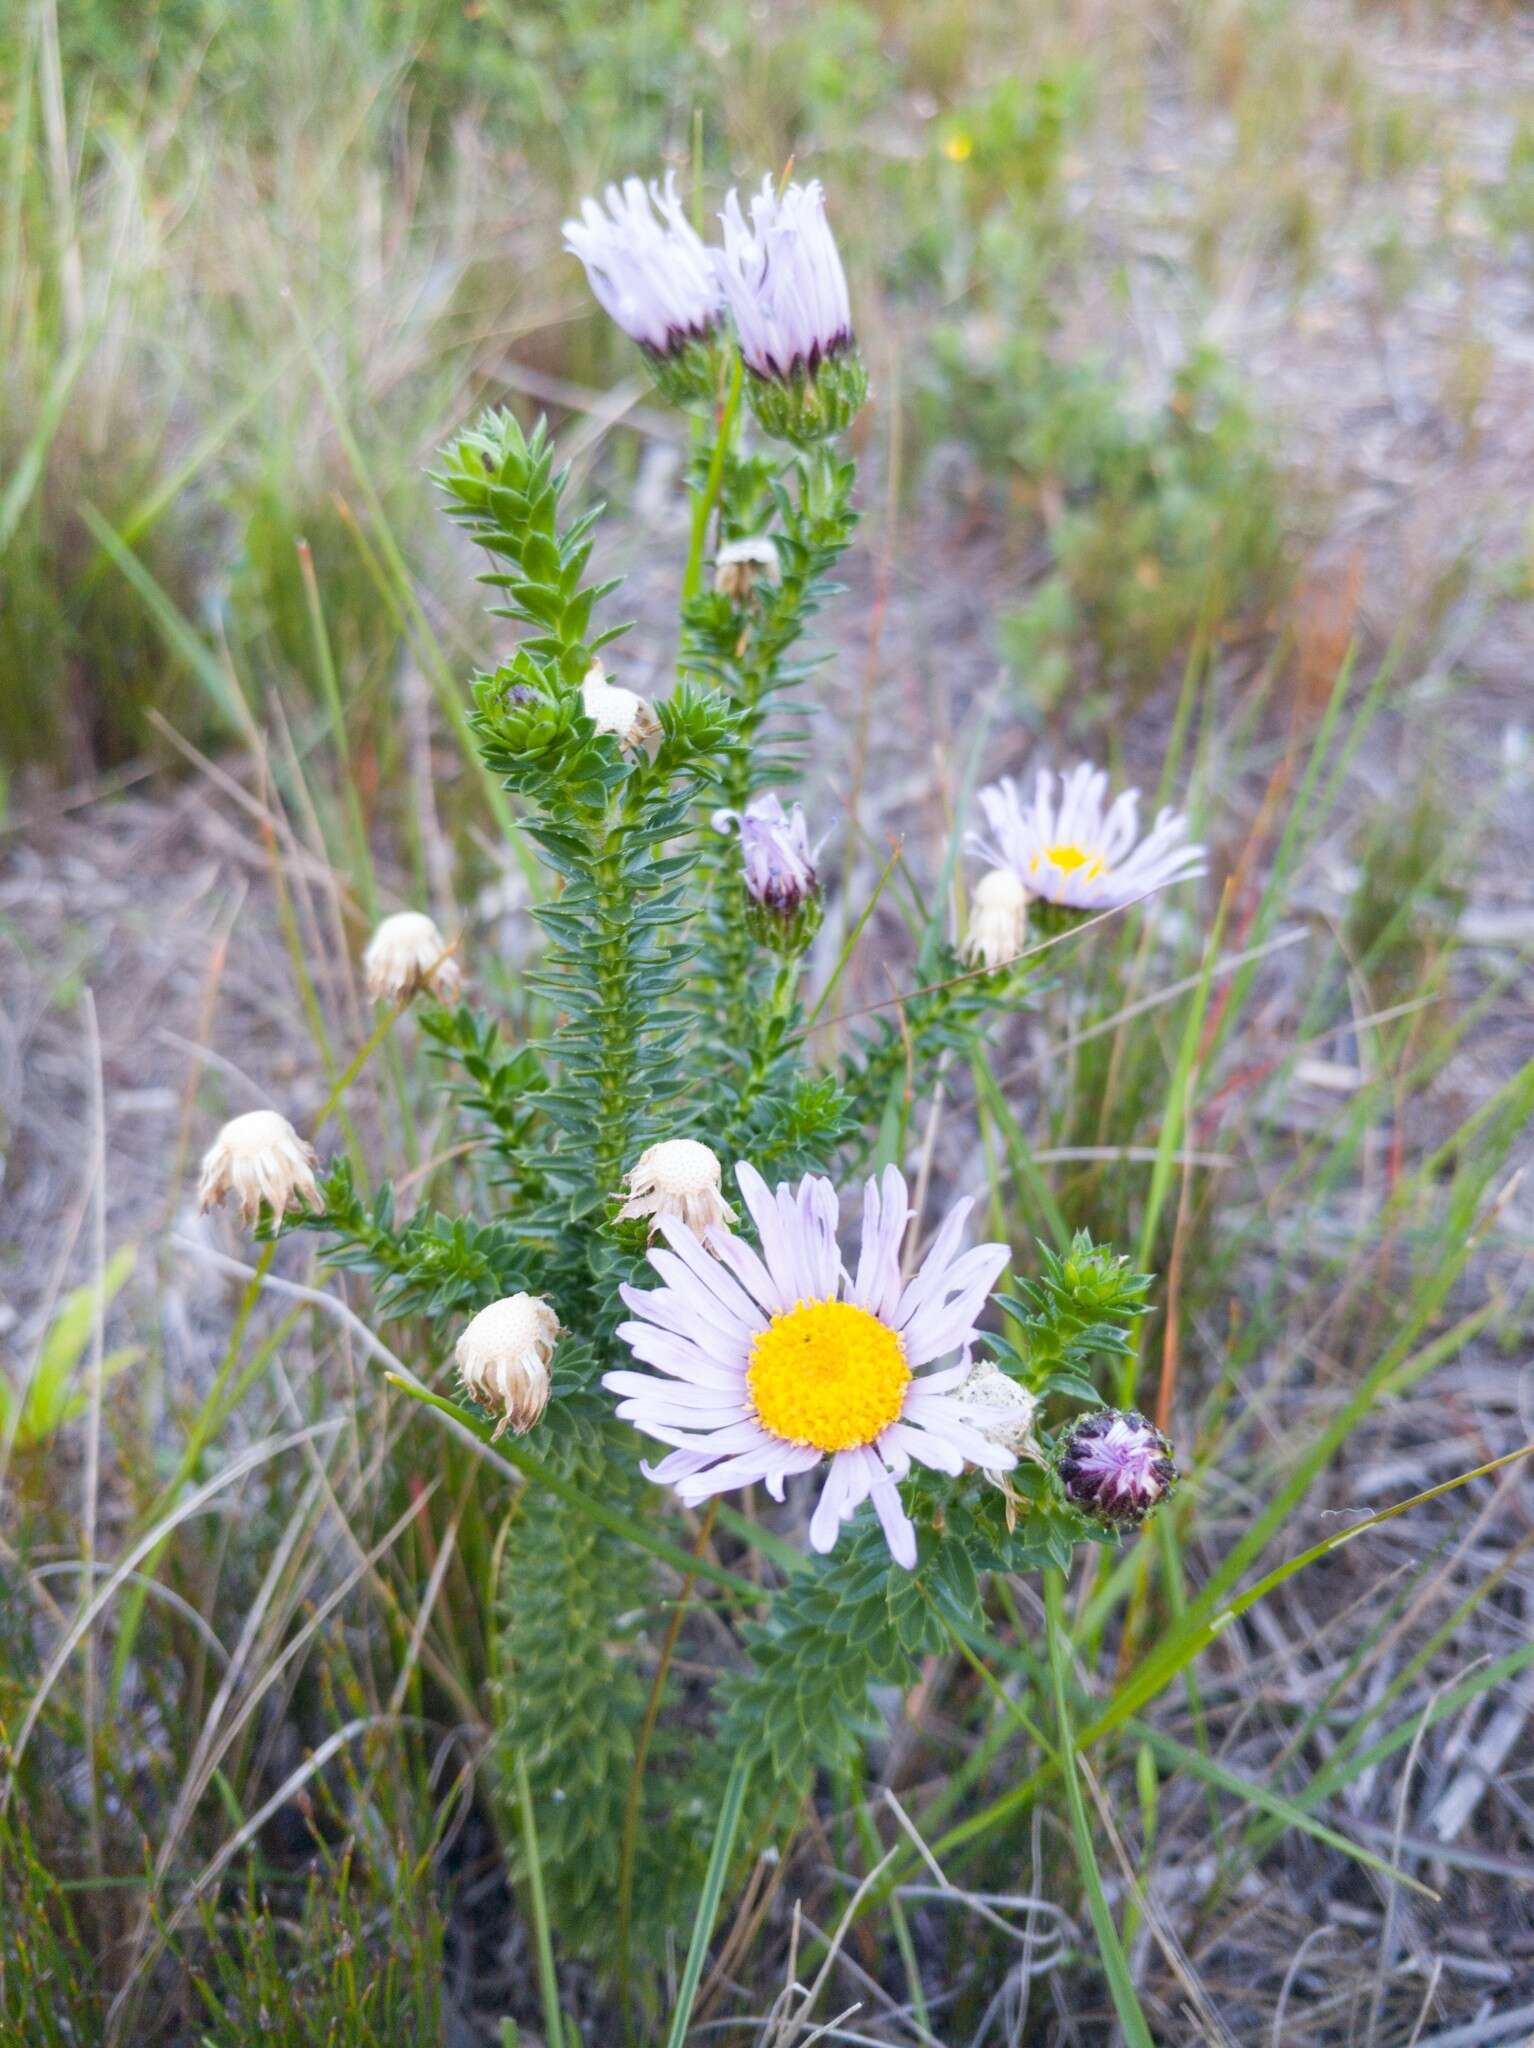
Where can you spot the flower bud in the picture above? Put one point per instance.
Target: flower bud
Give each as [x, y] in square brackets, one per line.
[652, 275]
[778, 871]
[504, 1356]
[679, 1177]
[741, 564]
[999, 1407]
[788, 294]
[408, 953]
[259, 1158]
[1114, 1466]
[998, 923]
[616, 713]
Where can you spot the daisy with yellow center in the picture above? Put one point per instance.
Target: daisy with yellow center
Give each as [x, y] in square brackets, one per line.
[1081, 853]
[771, 1362]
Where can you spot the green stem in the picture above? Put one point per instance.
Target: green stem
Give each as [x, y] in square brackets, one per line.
[548, 1983]
[708, 497]
[1111, 1952]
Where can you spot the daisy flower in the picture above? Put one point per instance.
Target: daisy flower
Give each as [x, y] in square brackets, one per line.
[773, 1362]
[1076, 854]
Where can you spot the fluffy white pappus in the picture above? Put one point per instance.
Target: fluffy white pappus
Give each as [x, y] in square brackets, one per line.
[784, 280]
[646, 265]
[1080, 852]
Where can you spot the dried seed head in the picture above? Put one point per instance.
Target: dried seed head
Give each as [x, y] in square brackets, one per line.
[503, 1357]
[408, 953]
[621, 713]
[998, 924]
[1000, 1408]
[741, 564]
[259, 1158]
[679, 1177]
[1114, 1467]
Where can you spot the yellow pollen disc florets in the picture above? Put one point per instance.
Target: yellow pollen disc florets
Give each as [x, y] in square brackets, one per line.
[1072, 860]
[829, 1374]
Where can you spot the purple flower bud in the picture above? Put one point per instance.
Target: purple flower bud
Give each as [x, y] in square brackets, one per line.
[776, 856]
[784, 280]
[651, 275]
[788, 295]
[1114, 1467]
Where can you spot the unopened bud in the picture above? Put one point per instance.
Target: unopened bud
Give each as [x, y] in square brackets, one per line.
[1114, 1467]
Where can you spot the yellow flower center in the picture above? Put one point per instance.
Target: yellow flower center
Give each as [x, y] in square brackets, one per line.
[829, 1374]
[1070, 858]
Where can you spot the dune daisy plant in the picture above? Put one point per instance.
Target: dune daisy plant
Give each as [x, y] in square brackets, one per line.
[636, 1283]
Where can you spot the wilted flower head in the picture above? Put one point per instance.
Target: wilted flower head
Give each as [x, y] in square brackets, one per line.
[1114, 1467]
[407, 953]
[621, 713]
[998, 920]
[741, 564]
[678, 1177]
[999, 1407]
[788, 294]
[647, 266]
[259, 1158]
[1076, 855]
[504, 1358]
[771, 1361]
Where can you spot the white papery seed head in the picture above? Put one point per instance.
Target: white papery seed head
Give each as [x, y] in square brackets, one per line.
[621, 713]
[408, 953]
[678, 1177]
[259, 1158]
[741, 564]
[998, 924]
[999, 1408]
[504, 1356]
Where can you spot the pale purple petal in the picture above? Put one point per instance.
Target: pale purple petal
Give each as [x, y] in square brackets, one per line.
[899, 1533]
[886, 1212]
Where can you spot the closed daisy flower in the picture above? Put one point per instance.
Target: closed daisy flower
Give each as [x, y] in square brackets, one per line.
[617, 713]
[259, 1158]
[770, 1363]
[652, 275]
[1075, 854]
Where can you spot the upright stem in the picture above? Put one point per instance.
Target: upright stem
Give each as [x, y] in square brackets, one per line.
[708, 497]
[1111, 1951]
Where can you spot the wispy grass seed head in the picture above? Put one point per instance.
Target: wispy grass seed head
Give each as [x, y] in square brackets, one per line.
[772, 1362]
